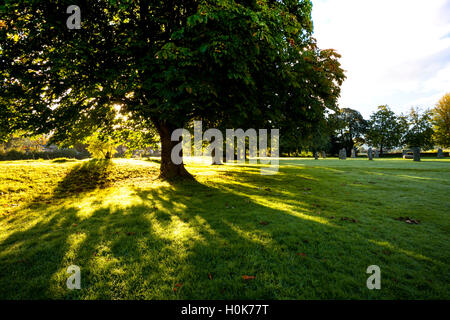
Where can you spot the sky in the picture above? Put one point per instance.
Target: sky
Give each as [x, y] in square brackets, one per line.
[395, 52]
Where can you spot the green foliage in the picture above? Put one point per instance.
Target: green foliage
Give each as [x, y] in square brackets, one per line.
[23, 142]
[135, 136]
[22, 145]
[386, 130]
[101, 146]
[54, 154]
[419, 132]
[246, 63]
[348, 128]
[441, 121]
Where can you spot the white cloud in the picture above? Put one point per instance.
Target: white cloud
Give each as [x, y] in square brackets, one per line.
[396, 52]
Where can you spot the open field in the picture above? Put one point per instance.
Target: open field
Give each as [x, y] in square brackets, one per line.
[309, 232]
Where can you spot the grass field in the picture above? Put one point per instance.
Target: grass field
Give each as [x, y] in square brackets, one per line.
[309, 232]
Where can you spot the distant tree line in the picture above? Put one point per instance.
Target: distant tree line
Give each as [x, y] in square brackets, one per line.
[384, 130]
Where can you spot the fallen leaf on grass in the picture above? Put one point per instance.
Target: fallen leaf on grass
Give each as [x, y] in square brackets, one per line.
[264, 223]
[248, 277]
[301, 254]
[177, 286]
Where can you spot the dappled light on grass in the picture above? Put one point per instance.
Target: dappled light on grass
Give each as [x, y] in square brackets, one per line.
[407, 252]
[136, 237]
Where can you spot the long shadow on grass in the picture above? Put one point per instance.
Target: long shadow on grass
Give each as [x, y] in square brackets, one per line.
[85, 177]
[191, 240]
[189, 237]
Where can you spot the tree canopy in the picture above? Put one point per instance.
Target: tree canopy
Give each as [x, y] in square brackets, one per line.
[386, 130]
[441, 121]
[165, 63]
[348, 129]
[419, 132]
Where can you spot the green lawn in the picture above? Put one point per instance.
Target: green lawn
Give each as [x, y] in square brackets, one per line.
[309, 232]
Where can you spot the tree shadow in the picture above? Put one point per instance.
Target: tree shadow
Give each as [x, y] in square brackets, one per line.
[195, 240]
[85, 177]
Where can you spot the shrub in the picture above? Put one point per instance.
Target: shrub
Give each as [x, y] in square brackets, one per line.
[101, 147]
[48, 155]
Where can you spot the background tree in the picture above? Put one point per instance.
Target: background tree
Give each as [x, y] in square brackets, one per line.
[348, 128]
[24, 142]
[441, 121]
[419, 131]
[250, 62]
[385, 130]
[101, 146]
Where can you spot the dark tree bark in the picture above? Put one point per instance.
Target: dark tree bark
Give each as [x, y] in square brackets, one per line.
[170, 170]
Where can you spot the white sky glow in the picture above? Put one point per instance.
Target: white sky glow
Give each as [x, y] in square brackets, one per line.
[395, 52]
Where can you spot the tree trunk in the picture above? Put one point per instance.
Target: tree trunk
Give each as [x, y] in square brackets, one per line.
[168, 169]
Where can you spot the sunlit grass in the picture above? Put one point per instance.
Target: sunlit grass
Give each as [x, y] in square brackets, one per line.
[310, 231]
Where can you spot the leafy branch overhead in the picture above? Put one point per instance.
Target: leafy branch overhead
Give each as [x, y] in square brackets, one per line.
[245, 63]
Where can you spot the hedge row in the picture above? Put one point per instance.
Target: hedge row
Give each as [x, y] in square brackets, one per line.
[422, 155]
[47, 155]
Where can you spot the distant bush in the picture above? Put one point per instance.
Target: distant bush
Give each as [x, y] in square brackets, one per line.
[46, 155]
[62, 160]
[101, 147]
[422, 154]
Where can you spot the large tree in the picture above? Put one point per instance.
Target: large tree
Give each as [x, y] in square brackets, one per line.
[386, 129]
[441, 121]
[419, 131]
[348, 128]
[166, 62]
